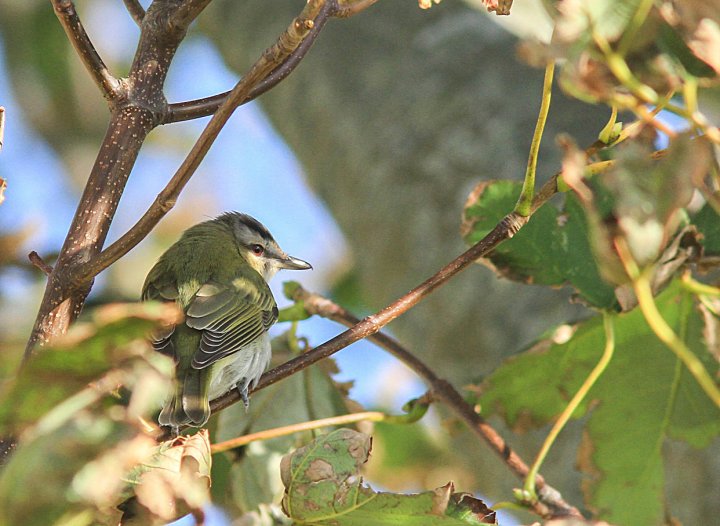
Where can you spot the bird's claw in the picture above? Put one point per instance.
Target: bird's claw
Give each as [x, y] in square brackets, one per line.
[242, 389]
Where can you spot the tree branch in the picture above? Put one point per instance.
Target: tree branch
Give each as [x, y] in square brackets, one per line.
[69, 20]
[286, 44]
[188, 11]
[195, 109]
[365, 416]
[137, 12]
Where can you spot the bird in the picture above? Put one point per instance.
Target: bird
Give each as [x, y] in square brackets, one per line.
[218, 274]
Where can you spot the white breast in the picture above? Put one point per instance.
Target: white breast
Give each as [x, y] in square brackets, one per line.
[250, 362]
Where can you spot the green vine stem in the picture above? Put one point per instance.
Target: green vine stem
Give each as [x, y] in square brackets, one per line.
[529, 488]
[643, 290]
[524, 204]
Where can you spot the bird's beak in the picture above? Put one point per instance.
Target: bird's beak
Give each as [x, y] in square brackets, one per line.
[291, 263]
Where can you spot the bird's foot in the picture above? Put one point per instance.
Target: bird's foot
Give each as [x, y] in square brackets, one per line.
[242, 389]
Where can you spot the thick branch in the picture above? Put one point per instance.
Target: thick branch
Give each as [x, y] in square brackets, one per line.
[188, 11]
[109, 85]
[137, 110]
[288, 42]
[137, 12]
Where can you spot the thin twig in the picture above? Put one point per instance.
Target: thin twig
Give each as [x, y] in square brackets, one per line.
[372, 416]
[164, 202]
[38, 262]
[348, 8]
[137, 12]
[194, 109]
[442, 391]
[70, 21]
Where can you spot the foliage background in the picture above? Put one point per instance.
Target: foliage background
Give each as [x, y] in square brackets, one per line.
[391, 120]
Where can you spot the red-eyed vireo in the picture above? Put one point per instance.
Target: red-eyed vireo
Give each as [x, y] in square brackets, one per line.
[218, 273]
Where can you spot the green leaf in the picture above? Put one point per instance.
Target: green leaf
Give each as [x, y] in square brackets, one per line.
[552, 249]
[672, 43]
[323, 486]
[608, 18]
[644, 397]
[640, 200]
[708, 223]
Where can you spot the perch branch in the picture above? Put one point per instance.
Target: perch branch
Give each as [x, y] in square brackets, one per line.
[164, 202]
[443, 391]
[70, 21]
[505, 229]
[373, 323]
[137, 12]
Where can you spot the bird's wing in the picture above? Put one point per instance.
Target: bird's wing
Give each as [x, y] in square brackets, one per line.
[158, 289]
[230, 317]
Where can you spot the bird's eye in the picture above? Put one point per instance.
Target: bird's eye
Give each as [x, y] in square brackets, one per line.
[257, 249]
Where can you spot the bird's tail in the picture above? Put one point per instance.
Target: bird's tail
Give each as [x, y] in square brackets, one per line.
[188, 404]
[195, 401]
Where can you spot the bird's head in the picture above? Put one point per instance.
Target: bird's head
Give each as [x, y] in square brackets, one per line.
[258, 247]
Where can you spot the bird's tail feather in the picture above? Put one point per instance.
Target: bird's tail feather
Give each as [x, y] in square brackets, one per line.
[195, 403]
[172, 413]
